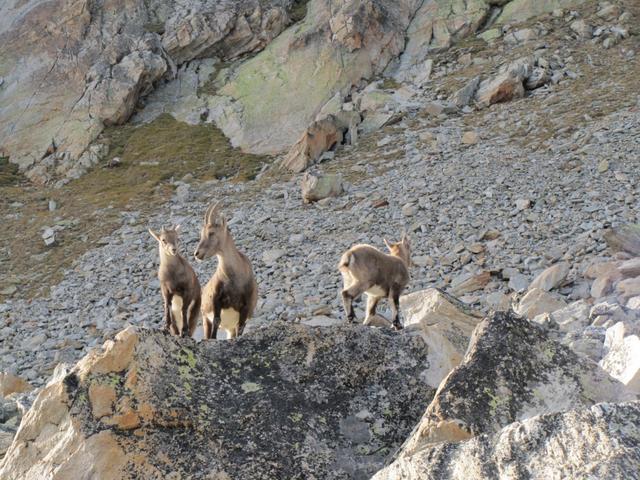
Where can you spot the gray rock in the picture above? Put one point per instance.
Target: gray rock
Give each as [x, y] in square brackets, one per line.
[512, 371]
[463, 97]
[599, 433]
[552, 277]
[582, 28]
[518, 282]
[317, 187]
[356, 415]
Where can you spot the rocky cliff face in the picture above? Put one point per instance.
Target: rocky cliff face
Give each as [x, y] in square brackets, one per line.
[69, 68]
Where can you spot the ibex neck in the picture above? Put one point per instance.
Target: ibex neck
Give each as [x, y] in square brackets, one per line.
[402, 259]
[228, 255]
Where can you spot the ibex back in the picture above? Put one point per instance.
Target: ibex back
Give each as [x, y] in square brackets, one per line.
[366, 269]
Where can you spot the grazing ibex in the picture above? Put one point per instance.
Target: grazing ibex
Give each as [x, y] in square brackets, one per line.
[366, 269]
[230, 297]
[178, 283]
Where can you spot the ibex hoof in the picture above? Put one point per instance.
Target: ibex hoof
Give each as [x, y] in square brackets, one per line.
[397, 326]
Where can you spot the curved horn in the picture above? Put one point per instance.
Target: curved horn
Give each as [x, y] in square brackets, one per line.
[213, 210]
[206, 214]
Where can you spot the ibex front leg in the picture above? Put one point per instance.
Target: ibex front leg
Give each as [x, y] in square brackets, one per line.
[217, 311]
[185, 318]
[394, 299]
[167, 296]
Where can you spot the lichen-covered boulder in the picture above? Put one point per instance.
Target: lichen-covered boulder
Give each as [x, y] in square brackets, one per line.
[602, 441]
[284, 401]
[512, 371]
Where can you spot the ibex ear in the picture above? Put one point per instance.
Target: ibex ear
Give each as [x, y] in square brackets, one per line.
[387, 243]
[154, 235]
[176, 228]
[405, 240]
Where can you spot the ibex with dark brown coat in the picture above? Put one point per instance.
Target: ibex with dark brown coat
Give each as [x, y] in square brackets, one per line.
[230, 297]
[366, 269]
[178, 283]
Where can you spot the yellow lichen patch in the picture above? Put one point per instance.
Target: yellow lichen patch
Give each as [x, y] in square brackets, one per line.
[102, 398]
[250, 387]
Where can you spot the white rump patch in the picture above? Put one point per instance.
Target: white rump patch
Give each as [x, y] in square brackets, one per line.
[376, 291]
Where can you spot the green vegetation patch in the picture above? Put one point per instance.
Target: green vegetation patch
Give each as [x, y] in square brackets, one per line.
[8, 172]
[167, 147]
[299, 10]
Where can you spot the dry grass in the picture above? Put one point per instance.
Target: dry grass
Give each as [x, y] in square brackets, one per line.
[90, 208]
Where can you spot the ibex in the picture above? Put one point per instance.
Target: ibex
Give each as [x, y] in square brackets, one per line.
[178, 283]
[230, 296]
[366, 269]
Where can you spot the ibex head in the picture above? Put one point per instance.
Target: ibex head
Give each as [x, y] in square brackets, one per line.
[168, 239]
[214, 233]
[401, 249]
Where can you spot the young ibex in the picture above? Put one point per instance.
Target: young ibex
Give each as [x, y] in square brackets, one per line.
[178, 283]
[366, 269]
[230, 297]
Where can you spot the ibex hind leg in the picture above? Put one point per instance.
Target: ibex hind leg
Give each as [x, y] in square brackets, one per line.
[349, 295]
[194, 314]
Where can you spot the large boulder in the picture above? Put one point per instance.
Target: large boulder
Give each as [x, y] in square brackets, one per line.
[506, 85]
[601, 441]
[446, 325]
[271, 99]
[285, 401]
[321, 136]
[318, 187]
[512, 371]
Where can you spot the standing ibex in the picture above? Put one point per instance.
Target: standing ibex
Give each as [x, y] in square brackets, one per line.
[366, 269]
[230, 297]
[178, 283]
